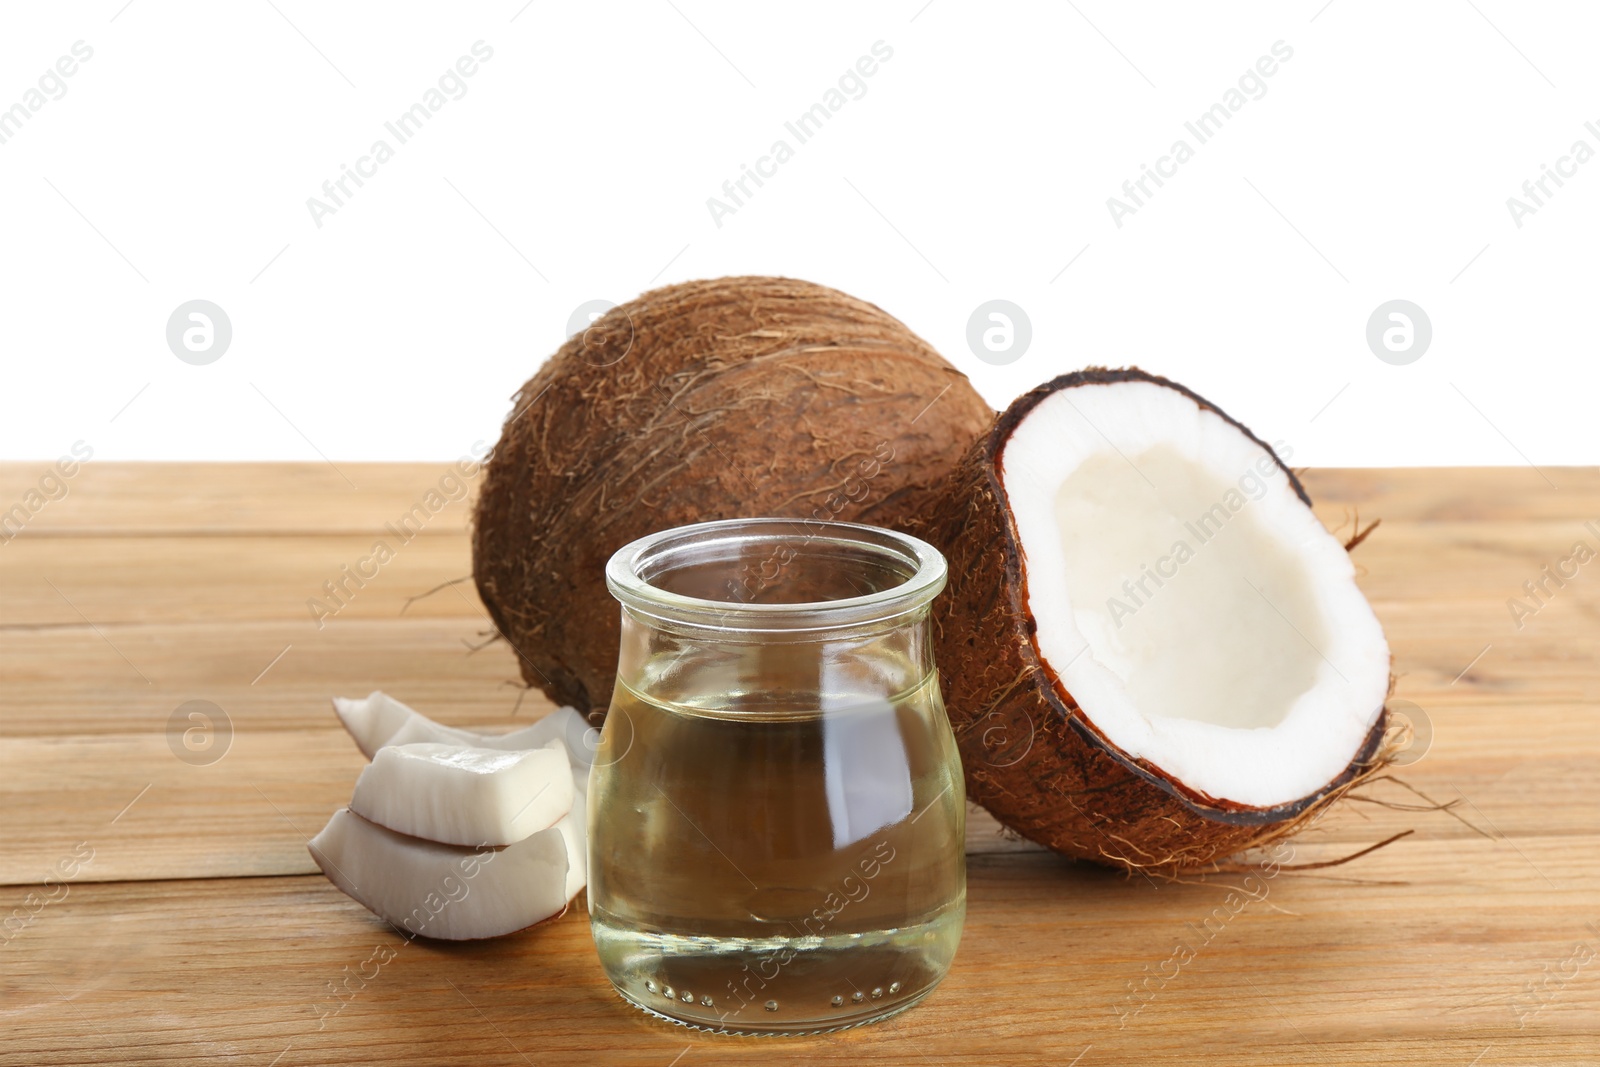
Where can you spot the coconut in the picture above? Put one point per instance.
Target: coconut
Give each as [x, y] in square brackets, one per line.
[1153, 653]
[733, 398]
[445, 891]
[459, 795]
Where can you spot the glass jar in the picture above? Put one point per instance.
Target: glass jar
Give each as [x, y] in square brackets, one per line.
[776, 814]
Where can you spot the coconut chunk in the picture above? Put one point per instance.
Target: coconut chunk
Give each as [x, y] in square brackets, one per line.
[574, 831]
[379, 719]
[464, 795]
[373, 720]
[449, 892]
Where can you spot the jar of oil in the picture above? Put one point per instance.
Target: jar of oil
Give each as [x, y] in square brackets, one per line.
[776, 809]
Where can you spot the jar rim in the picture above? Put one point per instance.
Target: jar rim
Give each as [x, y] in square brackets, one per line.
[628, 574]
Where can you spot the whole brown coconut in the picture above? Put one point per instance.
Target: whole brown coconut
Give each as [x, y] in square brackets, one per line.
[731, 398]
[1018, 630]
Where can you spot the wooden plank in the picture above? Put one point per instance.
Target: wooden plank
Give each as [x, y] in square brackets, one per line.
[76, 680]
[147, 814]
[110, 679]
[1442, 494]
[252, 577]
[1422, 965]
[182, 499]
[114, 581]
[250, 812]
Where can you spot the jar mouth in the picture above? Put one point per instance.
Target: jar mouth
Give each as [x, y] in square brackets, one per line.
[776, 574]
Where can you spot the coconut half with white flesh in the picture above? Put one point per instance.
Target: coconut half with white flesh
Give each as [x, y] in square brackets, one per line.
[1154, 654]
[449, 892]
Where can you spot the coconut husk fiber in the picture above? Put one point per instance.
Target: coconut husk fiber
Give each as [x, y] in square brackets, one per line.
[729, 398]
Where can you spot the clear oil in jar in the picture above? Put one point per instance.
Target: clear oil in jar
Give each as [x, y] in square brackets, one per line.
[769, 865]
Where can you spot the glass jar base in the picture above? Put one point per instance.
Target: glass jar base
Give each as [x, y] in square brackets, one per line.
[778, 986]
[712, 1026]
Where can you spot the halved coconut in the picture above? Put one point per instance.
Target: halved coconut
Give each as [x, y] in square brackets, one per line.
[1154, 654]
[444, 891]
[462, 795]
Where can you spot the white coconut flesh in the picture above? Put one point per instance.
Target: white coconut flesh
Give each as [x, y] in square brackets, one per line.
[1198, 612]
[378, 719]
[444, 891]
[465, 795]
[574, 831]
[441, 787]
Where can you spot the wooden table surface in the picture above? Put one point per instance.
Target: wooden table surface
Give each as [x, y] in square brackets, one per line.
[183, 920]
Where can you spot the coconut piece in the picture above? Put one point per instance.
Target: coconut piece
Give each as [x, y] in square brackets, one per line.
[739, 397]
[563, 724]
[372, 720]
[574, 831]
[464, 795]
[379, 719]
[444, 891]
[1154, 655]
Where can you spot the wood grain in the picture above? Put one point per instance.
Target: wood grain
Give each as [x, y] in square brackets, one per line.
[184, 499]
[1422, 972]
[248, 814]
[198, 933]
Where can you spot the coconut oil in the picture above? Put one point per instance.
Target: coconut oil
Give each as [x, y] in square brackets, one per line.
[776, 826]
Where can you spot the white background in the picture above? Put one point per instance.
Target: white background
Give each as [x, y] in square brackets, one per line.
[977, 166]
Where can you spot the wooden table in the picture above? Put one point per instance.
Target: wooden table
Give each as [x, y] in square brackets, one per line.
[200, 931]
